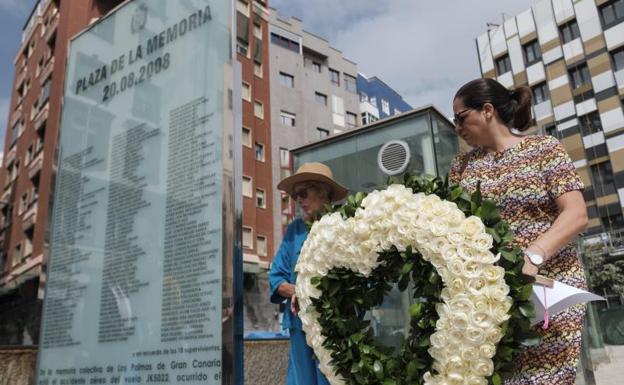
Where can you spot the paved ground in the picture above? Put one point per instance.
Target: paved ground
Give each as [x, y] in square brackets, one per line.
[611, 373]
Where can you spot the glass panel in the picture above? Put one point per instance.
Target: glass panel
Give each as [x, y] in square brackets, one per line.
[362, 150]
[139, 274]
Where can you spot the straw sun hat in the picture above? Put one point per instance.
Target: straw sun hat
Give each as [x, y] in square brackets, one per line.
[313, 172]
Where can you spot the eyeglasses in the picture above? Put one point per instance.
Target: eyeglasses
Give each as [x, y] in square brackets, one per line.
[459, 117]
[302, 193]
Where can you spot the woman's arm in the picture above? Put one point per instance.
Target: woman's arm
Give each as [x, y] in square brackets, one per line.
[571, 220]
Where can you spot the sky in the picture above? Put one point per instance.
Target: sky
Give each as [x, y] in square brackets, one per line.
[424, 49]
[13, 14]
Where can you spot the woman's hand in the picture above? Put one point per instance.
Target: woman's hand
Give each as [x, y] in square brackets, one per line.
[529, 268]
[286, 290]
[294, 304]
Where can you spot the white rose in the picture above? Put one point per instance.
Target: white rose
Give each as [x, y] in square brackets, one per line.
[456, 237]
[494, 273]
[487, 350]
[472, 226]
[494, 335]
[482, 241]
[475, 336]
[483, 367]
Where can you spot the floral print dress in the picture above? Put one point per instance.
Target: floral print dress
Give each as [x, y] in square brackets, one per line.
[525, 180]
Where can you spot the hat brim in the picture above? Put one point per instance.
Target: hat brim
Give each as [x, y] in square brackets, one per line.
[287, 184]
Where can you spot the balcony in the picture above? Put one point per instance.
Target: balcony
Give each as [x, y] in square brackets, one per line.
[11, 156]
[41, 117]
[29, 219]
[34, 168]
[17, 115]
[51, 28]
[49, 67]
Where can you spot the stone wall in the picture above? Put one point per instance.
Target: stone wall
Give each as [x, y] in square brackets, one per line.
[266, 362]
[17, 366]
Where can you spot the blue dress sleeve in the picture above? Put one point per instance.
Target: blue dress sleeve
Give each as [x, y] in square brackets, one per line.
[281, 268]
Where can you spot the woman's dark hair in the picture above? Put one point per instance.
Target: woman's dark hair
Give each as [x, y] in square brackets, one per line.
[513, 106]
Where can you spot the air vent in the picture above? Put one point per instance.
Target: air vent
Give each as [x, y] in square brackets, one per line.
[393, 157]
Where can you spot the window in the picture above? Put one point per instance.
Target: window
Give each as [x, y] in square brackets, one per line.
[322, 133]
[246, 92]
[618, 59]
[604, 183]
[17, 256]
[351, 120]
[503, 65]
[260, 201]
[285, 42]
[247, 238]
[286, 80]
[243, 7]
[16, 131]
[246, 138]
[579, 76]
[385, 106]
[29, 154]
[552, 131]
[247, 189]
[242, 47]
[258, 69]
[532, 52]
[260, 152]
[334, 76]
[45, 91]
[363, 97]
[590, 123]
[40, 64]
[287, 119]
[284, 158]
[262, 245]
[540, 93]
[259, 109]
[350, 83]
[612, 13]
[569, 31]
[258, 31]
[373, 100]
[320, 98]
[316, 66]
[23, 203]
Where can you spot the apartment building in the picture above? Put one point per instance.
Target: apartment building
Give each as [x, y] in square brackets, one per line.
[378, 100]
[571, 54]
[313, 96]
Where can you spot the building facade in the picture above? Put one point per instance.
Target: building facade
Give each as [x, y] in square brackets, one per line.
[29, 165]
[378, 100]
[571, 54]
[314, 95]
[252, 46]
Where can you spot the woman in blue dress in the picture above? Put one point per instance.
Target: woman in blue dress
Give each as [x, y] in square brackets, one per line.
[312, 186]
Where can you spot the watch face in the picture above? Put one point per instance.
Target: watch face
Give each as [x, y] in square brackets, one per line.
[536, 259]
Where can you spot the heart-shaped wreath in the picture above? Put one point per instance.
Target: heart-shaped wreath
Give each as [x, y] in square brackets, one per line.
[470, 310]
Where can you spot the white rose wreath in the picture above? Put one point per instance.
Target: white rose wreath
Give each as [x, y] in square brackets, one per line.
[464, 326]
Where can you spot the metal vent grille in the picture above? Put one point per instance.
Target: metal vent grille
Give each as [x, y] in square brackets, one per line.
[393, 157]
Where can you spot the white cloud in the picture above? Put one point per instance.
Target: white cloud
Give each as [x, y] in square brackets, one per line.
[423, 49]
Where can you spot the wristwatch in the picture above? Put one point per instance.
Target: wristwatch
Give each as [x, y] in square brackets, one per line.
[535, 258]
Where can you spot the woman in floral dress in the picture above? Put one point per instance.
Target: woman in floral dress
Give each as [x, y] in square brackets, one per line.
[537, 189]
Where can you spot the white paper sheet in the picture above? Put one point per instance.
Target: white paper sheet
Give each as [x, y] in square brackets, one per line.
[558, 298]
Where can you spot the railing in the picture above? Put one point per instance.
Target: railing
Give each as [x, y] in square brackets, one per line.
[607, 243]
[35, 166]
